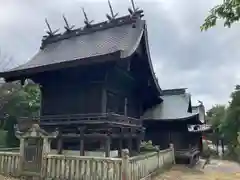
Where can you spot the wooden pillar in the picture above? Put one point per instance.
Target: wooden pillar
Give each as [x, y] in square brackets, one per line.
[81, 129]
[200, 143]
[130, 142]
[125, 106]
[138, 144]
[120, 147]
[107, 146]
[140, 138]
[60, 143]
[120, 143]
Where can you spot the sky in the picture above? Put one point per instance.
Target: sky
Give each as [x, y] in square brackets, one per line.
[207, 63]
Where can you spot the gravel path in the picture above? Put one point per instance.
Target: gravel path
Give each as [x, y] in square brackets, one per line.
[216, 170]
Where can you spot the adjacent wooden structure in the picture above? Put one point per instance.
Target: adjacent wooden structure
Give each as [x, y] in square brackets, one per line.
[173, 121]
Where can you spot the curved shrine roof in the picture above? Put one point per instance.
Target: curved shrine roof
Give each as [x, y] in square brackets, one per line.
[122, 38]
[105, 41]
[175, 106]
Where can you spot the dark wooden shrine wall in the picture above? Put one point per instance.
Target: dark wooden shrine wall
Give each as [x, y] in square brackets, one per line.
[90, 89]
[71, 98]
[164, 133]
[122, 85]
[118, 86]
[72, 91]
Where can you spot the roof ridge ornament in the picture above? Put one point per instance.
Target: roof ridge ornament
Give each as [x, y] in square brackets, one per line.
[86, 21]
[67, 26]
[200, 103]
[112, 16]
[135, 10]
[50, 32]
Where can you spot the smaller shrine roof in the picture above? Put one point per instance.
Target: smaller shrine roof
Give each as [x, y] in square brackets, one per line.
[175, 106]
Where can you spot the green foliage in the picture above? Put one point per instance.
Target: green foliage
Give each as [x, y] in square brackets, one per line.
[148, 146]
[228, 11]
[23, 102]
[3, 134]
[216, 115]
[17, 101]
[226, 123]
[11, 140]
[231, 126]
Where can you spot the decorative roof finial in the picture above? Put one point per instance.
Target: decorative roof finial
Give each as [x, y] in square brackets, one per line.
[200, 102]
[86, 21]
[134, 10]
[113, 16]
[50, 32]
[67, 27]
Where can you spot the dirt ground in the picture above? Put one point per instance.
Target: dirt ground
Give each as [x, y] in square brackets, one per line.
[216, 170]
[6, 178]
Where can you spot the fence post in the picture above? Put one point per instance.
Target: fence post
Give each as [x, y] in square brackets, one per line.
[21, 158]
[173, 153]
[46, 148]
[125, 164]
[158, 156]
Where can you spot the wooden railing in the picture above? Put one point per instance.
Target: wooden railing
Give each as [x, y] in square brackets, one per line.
[78, 118]
[9, 163]
[80, 167]
[15, 149]
[144, 165]
[91, 168]
[96, 168]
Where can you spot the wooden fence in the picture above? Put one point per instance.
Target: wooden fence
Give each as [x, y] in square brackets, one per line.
[9, 163]
[82, 167]
[144, 165]
[92, 168]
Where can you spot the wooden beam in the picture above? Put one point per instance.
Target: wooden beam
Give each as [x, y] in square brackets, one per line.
[99, 136]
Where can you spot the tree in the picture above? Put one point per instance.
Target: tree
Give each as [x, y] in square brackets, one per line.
[230, 127]
[25, 103]
[216, 115]
[20, 101]
[228, 11]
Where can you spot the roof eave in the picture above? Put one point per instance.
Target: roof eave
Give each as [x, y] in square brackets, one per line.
[18, 74]
[146, 46]
[175, 119]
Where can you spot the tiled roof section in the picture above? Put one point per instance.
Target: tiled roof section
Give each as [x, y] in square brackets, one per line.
[122, 34]
[200, 109]
[174, 91]
[89, 29]
[173, 107]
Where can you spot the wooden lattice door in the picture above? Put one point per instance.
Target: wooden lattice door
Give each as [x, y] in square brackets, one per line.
[32, 158]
